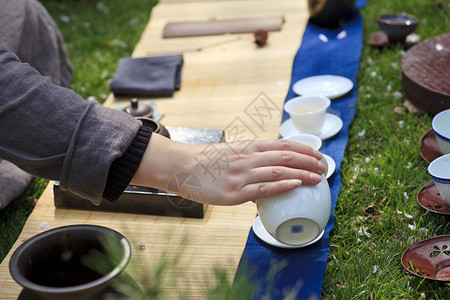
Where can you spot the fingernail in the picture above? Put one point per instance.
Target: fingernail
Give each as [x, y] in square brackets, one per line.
[317, 154]
[293, 183]
[322, 167]
[315, 178]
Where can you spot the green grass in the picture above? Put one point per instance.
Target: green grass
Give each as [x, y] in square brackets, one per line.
[383, 170]
[381, 173]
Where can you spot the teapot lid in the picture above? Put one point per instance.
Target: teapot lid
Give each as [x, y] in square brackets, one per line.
[138, 110]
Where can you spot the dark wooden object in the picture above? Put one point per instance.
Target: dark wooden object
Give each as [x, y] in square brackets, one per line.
[216, 27]
[426, 74]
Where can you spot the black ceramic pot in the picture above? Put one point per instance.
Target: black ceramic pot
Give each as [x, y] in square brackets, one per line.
[155, 126]
[53, 265]
[330, 13]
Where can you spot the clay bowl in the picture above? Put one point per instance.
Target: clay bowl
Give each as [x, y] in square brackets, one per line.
[397, 26]
[52, 265]
[155, 126]
[429, 258]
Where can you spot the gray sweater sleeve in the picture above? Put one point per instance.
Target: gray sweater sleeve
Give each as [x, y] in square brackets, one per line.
[51, 132]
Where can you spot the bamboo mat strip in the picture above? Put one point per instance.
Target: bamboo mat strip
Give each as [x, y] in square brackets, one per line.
[226, 81]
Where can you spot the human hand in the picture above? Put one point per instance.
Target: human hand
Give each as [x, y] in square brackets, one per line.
[228, 174]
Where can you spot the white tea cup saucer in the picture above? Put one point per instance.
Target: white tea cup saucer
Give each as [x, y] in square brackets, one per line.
[331, 165]
[261, 232]
[333, 124]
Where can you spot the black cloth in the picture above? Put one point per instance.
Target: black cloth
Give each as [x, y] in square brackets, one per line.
[154, 76]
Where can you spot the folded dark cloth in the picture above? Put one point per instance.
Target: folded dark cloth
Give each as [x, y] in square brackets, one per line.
[13, 181]
[155, 76]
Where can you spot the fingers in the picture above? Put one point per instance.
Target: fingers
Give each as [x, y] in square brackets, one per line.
[272, 145]
[277, 173]
[256, 191]
[287, 159]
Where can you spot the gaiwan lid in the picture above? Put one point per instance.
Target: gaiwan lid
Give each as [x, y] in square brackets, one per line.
[138, 110]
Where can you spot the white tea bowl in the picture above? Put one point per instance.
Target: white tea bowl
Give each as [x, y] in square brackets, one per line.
[439, 169]
[305, 138]
[299, 216]
[441, 127]
[308, 112]
[310, 140]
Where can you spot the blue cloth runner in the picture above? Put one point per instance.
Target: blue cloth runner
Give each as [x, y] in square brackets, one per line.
[302, 270]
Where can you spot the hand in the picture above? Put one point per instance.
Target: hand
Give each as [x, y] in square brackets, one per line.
[228, 174]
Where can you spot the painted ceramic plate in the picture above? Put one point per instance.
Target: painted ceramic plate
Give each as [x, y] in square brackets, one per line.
[330, 86]
[429, 149]
[429, 258]
[430, 199]
[261, 232]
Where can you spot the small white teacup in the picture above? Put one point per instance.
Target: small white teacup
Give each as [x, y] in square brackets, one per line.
[439, 169]
[299, 216]
[305, 138]
[441, 126]
[308, 112]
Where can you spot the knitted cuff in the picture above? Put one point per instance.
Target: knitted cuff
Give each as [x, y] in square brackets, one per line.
[123, 169]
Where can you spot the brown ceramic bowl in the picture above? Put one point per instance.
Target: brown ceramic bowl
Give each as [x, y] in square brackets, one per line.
[397, 26]
[155, 126]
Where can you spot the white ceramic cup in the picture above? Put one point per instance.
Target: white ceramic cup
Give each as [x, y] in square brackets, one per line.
[308, 112]
[439, 169]
[308, 139]
[299, 216]
[441, 126]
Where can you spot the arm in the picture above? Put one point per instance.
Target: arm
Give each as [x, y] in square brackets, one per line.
[228, 174]
[51, 132]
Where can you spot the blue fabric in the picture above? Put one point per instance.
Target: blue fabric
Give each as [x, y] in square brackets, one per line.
[302, 270]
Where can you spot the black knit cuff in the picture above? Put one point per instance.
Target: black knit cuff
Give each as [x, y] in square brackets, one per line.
[123, 169]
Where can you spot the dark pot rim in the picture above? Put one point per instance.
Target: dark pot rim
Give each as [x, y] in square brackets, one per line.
[413, 19]
[27, 284]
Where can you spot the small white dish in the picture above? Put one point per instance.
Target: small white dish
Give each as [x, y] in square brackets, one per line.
[331, 165]
[333, 124]
[261, 232]
[330, 86]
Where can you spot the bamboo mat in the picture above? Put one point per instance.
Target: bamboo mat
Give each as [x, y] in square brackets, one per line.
[227, 83]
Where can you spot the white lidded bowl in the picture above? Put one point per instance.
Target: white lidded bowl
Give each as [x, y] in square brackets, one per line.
[299, 216]
[439, 169]
[441, 127]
